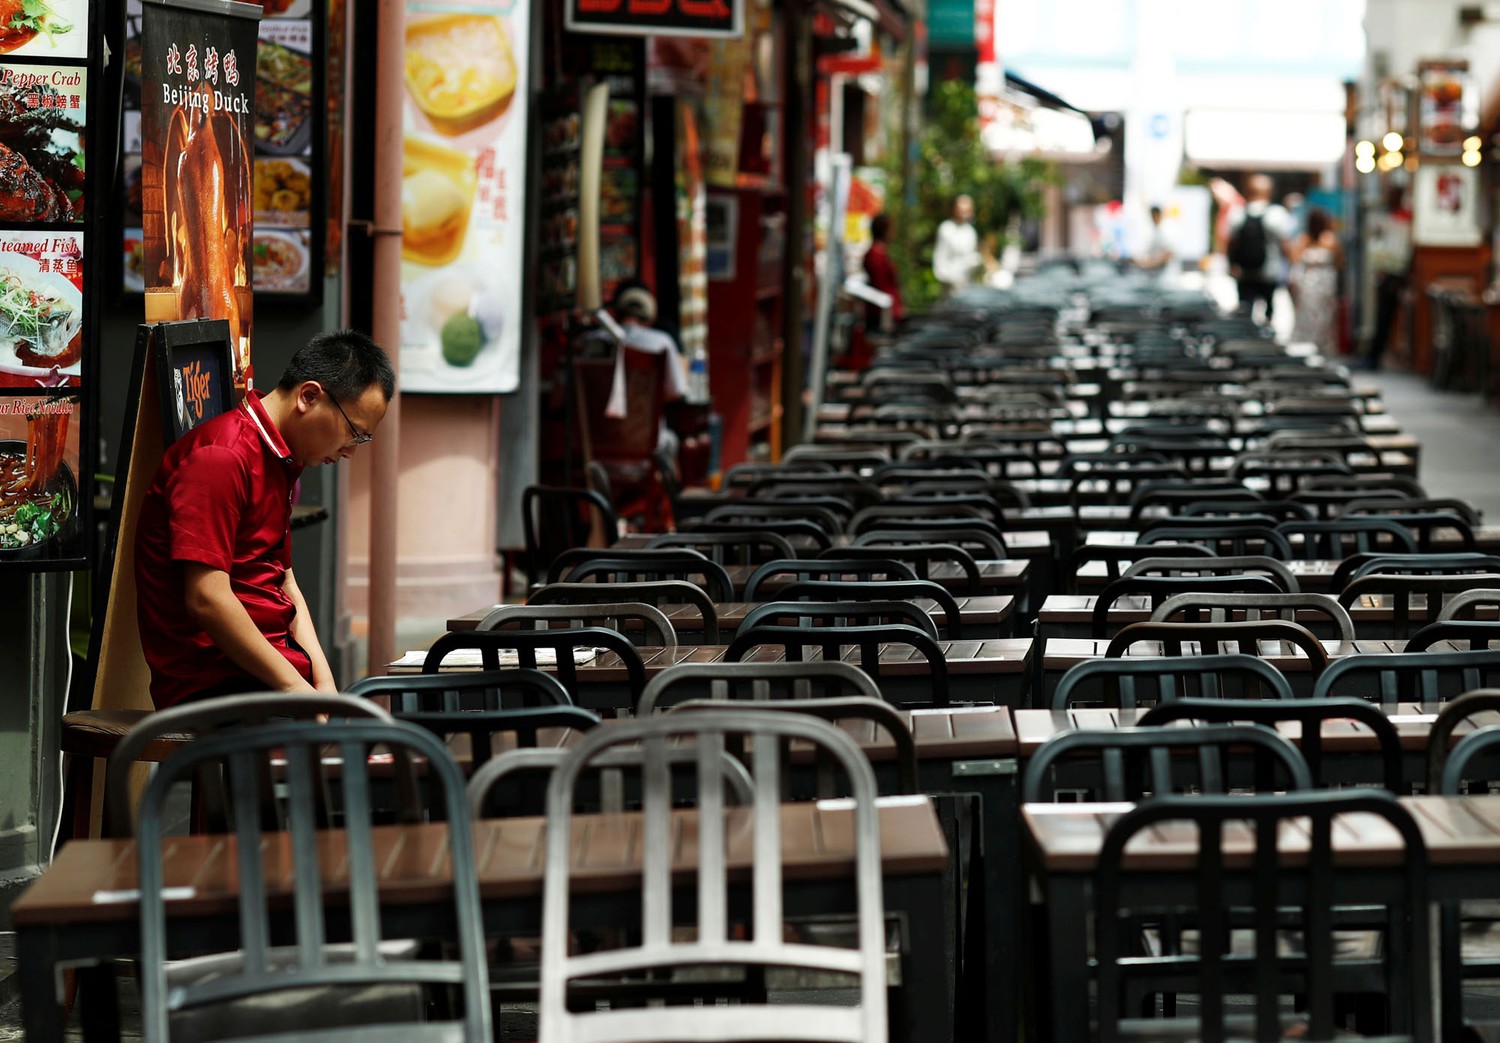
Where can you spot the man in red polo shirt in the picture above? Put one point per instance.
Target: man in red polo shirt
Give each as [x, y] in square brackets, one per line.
[220, 611]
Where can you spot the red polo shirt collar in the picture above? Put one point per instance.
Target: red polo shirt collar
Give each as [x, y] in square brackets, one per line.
[269, 433]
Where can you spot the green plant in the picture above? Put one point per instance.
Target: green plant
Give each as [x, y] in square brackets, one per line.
[951, 161]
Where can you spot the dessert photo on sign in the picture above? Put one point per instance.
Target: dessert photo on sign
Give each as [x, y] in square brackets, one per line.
[41, 309]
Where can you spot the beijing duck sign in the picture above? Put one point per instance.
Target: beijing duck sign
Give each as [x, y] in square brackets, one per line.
[198, 73]
[658, 17]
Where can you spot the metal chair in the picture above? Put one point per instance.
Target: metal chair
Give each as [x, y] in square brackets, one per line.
[825, 614]
[920, 556]
[728, 548]
[555, 519]
[1134, 763]
[1452, 714]
[454, 691]
[1458, 563]
[615, 566]
[1242, 637]
[1424, 526]
[973, 540]
[259, 970]
[1404, 592]
[755, 681]
[829, 514]
[1478, 633]
[1309, 715]
[1468, 603]
[656, 593]
[831, 642]
[1344, 536]
[1243, 564]
[712, 942]
[864, 569]
[910, 590]
[1220, 537]
[1159, 588]
[1275, 896]
[654, 629]
[799, 530]
[1428, 677]
[518, 729]
[527, 646]
[1127, 683]
[1114, 556]
[884, 515]
[1192, 606]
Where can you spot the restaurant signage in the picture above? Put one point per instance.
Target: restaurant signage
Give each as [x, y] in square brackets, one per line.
[198, 87]
[463, 195]
[49, 84]
[658, 17]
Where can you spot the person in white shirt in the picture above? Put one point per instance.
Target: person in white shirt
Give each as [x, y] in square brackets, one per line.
[635, 308]
[955, 255]
[1158, 252]
[1258, 235]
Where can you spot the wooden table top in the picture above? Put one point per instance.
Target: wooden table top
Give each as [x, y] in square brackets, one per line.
[1312, 575]
[94, 881]
[942, 734]
[1133, 608]
[1486, 539]
[1412, 721]
[1022, 543]
[992, 656]
[988, 612]
[994, 575]
[1064, 652]
[1457, 830]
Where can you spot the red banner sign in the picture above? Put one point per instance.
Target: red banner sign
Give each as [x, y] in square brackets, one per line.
[658, 17]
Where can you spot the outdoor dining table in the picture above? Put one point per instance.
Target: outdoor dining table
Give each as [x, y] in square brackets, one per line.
[83, 911]
[1071, 615]
[1312, 577]
[1444, 541]
[987, 671]
[1461, 834]
[978, 616]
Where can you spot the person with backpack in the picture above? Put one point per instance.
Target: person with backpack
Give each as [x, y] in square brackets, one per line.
[1257, 247]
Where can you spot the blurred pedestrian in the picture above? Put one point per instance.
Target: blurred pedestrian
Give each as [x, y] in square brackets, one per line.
[1258, 235]
[880, 271]
[956, 255]
[1317, 257]
[1158, 253]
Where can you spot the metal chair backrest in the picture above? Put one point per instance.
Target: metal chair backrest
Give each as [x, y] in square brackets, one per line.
[655, 629]
[1478, 633]
[920, 556]
[204, 717]
[555, 519]
[1129, 682]
[1195, 607]
[1452, 714]
[1467, 604]
[831, 642]
[1242, 636]
[1425, 526]
[839, 569]
[1277, 510]
[793, 529]
[750, 512]
[979, 542]
[455, 691]
[1113, 556]
[1308, 714]
[1414, 505]
[910, 590]
[1345, 535]
[883, 516]
[713, 941]
[1459, 563]
[1178, 498]
[1221, 537]
[1134, 763]
[520, 727]
[1273, 896]
[754, 681]
[1427, 677]
[656, 592]
[527, 646]
[1240, 564]
[1159, 588]
[650, 566]
[838, 614]
[1404, 591]
[728, 548]
[873, 711]
[243, 754]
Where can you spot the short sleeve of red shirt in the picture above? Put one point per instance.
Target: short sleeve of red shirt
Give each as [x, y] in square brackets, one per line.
[207, 494]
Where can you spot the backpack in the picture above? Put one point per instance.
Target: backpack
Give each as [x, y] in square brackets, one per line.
[1247, 246]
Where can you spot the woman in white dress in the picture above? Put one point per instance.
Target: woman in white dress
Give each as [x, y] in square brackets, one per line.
[1317, 258]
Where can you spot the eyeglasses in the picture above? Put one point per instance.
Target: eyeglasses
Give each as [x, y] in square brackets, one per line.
[359, 439]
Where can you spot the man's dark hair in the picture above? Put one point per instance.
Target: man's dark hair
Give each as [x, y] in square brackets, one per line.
[1156, 211]
[345, 362]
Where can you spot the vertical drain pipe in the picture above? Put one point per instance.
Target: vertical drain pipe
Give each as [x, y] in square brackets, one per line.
[385, 322]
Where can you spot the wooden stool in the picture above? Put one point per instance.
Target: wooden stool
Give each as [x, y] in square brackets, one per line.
[92, 735]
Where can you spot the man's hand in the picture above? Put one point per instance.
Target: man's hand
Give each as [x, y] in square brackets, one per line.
[212, 605]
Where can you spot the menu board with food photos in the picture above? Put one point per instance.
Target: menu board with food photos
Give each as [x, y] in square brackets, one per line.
[463, 195]
[557, 238]
[50, 59]
[288, 152]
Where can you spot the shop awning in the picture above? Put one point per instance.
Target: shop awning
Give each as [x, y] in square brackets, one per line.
[1255, 139]
[1030, 120]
